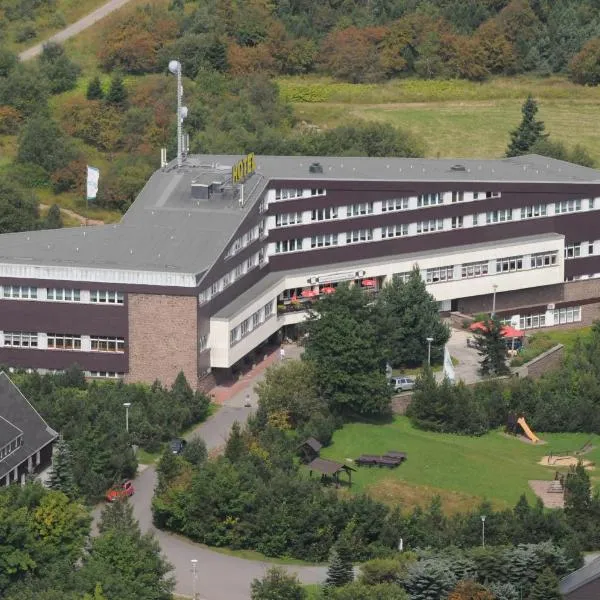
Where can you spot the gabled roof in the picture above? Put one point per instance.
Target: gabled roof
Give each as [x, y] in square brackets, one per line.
[581, 577]
[18, 411]
[328, 467]
[312, 443]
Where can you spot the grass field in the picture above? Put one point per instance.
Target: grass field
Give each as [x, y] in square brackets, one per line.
[455, 118]
[543, 340]
[462, 470]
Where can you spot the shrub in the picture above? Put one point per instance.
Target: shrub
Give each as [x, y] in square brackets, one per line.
[10, 120]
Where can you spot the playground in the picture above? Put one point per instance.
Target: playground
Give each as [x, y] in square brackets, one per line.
[462, 470]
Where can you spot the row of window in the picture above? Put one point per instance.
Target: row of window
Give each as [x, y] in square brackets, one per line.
[559, 316]
[60, 341]
[25, 292]
[290, 194]
[250, 324]
[243, 241]
[575, 249]
[11, 447]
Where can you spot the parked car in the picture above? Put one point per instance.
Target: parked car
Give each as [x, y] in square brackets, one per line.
[177, 445]
[402, 383]
[119, 491]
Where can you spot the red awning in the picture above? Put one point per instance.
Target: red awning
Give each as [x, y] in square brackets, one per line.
[507, 330]
[327, 290]
[368, 282]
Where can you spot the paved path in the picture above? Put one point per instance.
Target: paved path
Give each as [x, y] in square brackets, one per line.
[220, 577]
[468, 358]
[75, 28]
[70, 213]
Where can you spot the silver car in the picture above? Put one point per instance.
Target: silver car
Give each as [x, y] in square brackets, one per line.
[402, 383]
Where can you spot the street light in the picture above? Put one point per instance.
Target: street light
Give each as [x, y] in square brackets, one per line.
[194, 562]
[127, 405]
[429, 340]
[483, 530]
[182, 111]
[495, 287]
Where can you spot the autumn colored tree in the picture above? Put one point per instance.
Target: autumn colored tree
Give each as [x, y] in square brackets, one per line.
[499, 53]
[244, 60]
[584, 67]
[10, 119]
[466, 57]
[470, 590]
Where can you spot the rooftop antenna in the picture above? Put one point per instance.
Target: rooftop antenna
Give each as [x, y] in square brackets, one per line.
[182, 111]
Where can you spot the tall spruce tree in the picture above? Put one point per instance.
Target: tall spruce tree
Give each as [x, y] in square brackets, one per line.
[53, 219]
[340, 571]
[117, 94]
[545, 587]
[61, 476]
[408, 315]
[94, 89]
[530, 131]
[491, 346]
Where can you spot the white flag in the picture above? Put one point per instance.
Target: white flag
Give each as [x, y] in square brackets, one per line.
[448, 366]
[93, 175]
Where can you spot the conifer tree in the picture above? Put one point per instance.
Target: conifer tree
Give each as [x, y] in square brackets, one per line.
[235, 447]
[340, 571]
[491, 346]
[545, 587]
[61, 475]
[53, 219]
[530, 131]
[117, 94]
[94, 89]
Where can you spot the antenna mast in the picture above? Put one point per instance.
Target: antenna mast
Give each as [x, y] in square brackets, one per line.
[182, 111]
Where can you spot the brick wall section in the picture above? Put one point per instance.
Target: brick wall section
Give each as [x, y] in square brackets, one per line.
[162, 338]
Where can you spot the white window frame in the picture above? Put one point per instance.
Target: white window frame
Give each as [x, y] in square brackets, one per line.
[498, 216]
[103, 343]
[573, 250]
[392, 231]
[63, 341]
[439, 274]
[326, 213]
[288, 194]
[106, 297]
[475, 269]
[293, 245]
[356, 236]
[540, 260]
[430, 199]
[20, 339]
[534, 211]
[567, 206]
[394, 204]
[361, 209]
[512, 264]
[19, 292]
[324, 240]
[430, 225]
[287, 219]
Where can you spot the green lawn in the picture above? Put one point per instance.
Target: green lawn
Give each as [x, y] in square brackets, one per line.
[543, 340]
[453, 119]
[463, 470]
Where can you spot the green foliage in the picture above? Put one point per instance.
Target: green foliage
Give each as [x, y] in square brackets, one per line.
[491, 346]
[195, 452]
[277, 585]
[360, 591]
[385, 570]
[584, 67]
[60, 71]
[545, 587]
[408, 316]
[578, 155]
[117, 93]
[53, 219]
[25, 89]
[62, 476]
[344, 352]
[18, 208]
[530, 131]
[94, 89]
[429, 579]
[340, 571]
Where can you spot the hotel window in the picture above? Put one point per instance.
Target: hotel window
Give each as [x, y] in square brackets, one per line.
[506, 265]
[543, 259]
[22, 292]
[359, 235]
[457, 222]
[567, 206]
[573, 250]
[251, 262]
[245, 327]
[317, 192]
[404, 277]
[327, 239]
[591, 248]
[324, 214]
[530, 212]
[394, 231]
[239, 271]
[268, 310]
[255, 320]
[571, 314]
[107, 344]
[203, 343]
[226, 280]
[458, 196]
[430, 199]
[440, 274]
[105, 297]
[482, 195]
[234, 336]
[61, 341]
[364, 208]
[288, 245]
[499, 216]
[394, 204]
[214, 288]
[20, 340]
[104, 374]
[287, 194]
[475, 219]
[63, 295]
[288, 219]
[431, 225]
[475, 269]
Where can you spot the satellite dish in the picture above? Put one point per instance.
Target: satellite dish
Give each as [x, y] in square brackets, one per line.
[174, 67]
[184, 112]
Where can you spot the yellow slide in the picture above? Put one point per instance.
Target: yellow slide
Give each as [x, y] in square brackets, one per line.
[523, 423]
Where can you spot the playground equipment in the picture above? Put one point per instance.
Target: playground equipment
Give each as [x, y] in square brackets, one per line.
[523, 423]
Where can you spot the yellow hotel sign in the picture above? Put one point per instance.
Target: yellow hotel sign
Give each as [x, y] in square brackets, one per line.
[244, 168]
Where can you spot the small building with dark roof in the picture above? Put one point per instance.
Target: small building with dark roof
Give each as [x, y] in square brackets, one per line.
[310, 449]
[583, 584]
[26, 440]
[330, 468]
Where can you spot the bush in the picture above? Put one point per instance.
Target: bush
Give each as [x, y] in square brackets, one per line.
[10, 120]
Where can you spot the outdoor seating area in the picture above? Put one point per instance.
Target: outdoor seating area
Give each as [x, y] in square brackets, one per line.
[391, 459]
[330, 470]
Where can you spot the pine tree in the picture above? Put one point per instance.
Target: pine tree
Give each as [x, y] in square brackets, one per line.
[528, 132]
[545, 587]
[94, 89]
[491, 346]
[578, 495]
[340, 571]
[53, 219]
[235, 447]
[117, 94]
[61, 475]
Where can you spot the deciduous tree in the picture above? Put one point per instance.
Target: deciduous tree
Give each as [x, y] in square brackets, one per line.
[277, 585]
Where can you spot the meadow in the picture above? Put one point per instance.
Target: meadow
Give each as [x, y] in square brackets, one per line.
[462, 470]
[454, 118]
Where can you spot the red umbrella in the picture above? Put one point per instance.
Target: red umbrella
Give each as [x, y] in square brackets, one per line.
[308, 293]
[327, 290]
[479, 326]
[368, 282]
[510, 332]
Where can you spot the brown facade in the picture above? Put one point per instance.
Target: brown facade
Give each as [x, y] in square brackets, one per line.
[162, 338]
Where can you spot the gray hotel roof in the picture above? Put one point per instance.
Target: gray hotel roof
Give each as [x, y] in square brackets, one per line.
[167, 230]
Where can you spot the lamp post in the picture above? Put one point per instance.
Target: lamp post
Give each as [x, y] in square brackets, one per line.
[194, 562]
[127, 405]
[429, 340]
[182, 111]
[495, 287]
[483, 530]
